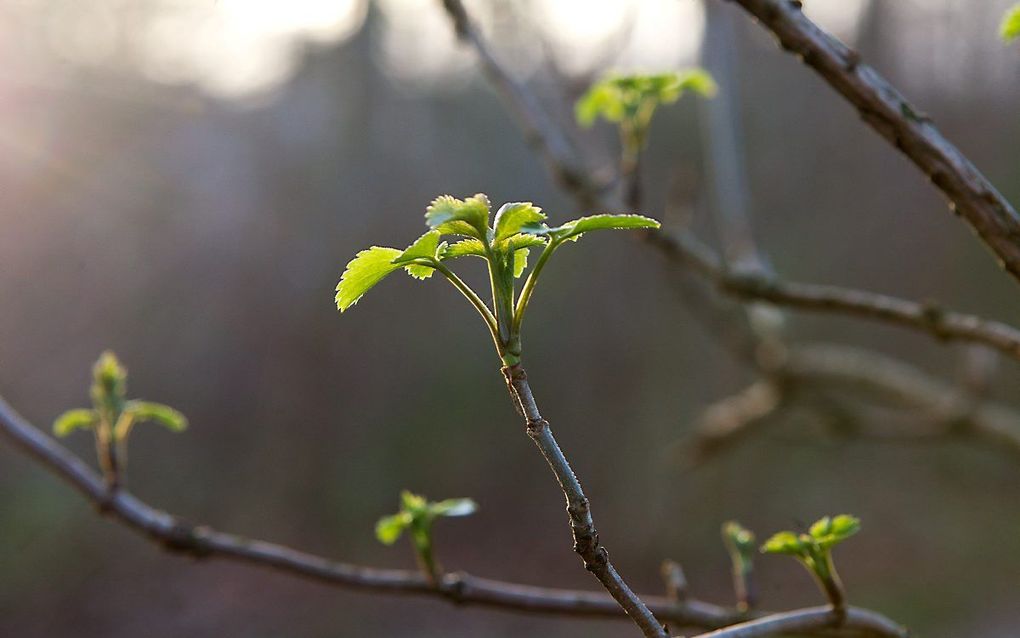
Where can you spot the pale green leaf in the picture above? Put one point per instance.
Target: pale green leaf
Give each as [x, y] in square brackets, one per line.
[785, 543]
[454, 507]
[413, 503]
[738, 538]
[367, 269]
[828, 532]
[419, 271]
[389, 528]
[520, 261]
[511, 217]
[158, 413]
[574, 228]
[467, 247]
[75, 420]
[425, 247]
[451, 216]
[1009, 29]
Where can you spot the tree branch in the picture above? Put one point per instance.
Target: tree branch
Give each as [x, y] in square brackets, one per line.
[883, 108]
[586, 537]
[811, 620]
[177, 535]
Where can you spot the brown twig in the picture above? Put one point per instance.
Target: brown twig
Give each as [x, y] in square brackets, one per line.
[586, 537]
[883, 108]
[812, 619]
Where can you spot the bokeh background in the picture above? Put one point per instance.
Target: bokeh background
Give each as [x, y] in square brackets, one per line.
[183, 181]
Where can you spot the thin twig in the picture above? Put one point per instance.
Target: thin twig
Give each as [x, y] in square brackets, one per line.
[812, 619]
[178, 535]
[883, 108]
[586, 537]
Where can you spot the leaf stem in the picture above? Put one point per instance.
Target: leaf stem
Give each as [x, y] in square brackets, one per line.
[470, 294]
[529, 284]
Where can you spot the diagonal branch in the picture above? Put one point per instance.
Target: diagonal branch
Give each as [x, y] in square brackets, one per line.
[883, 108]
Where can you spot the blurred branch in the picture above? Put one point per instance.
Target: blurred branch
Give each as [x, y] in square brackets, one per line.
[883, 108]
[179, 536]
[812, 619]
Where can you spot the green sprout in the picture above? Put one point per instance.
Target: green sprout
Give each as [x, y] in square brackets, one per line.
[417, 515]
[741, 544]
[112, 416]
[1009, 28]
[504, 245]
[814, 551]
[631, 100]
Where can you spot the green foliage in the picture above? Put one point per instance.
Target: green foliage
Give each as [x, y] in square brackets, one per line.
[112, 416]
[631, 100]
[417, 515]
[80, 419]
[1009, 28]
[368, 268]
[740, 542]
[518, 227]
[813, 549]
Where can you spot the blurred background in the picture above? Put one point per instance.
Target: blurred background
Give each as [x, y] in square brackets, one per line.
[182, 181]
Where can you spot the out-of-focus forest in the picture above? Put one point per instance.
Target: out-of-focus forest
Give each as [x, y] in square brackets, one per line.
[183, 182]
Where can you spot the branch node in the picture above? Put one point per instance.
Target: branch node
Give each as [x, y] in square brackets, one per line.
[184, 538]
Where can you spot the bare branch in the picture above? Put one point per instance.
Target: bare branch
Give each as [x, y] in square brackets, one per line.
[586, 538]
[942, 324]
[883, 108]
[177, 535]
[810, 620]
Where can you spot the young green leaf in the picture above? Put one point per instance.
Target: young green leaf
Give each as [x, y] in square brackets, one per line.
[1009, 28]
[454, 507]
[72, 420]
[109, 382]
[451, 216]
[738, 539]
[828, 532]
[464, 248]
[389, 528]
[164, 415]
[425, 247]
[577, 227]
[413, 503]
[511, 217]
[520, 261]
[368, 268]
[785, 543]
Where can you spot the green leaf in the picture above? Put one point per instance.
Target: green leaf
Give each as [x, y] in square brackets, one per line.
[785, 543]
[75, 420]
[1009, 29]
[109, 384]
[454, 507]
[158, 413]
[367, 269]
[467, 247]
[413, 503]
[602, 99]
[425, 247]
[576, 227]
[520, 261]
[633, 98]
[512, 216]
[738, 538]
[451, 216]
[828, 532]
[389, 528]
